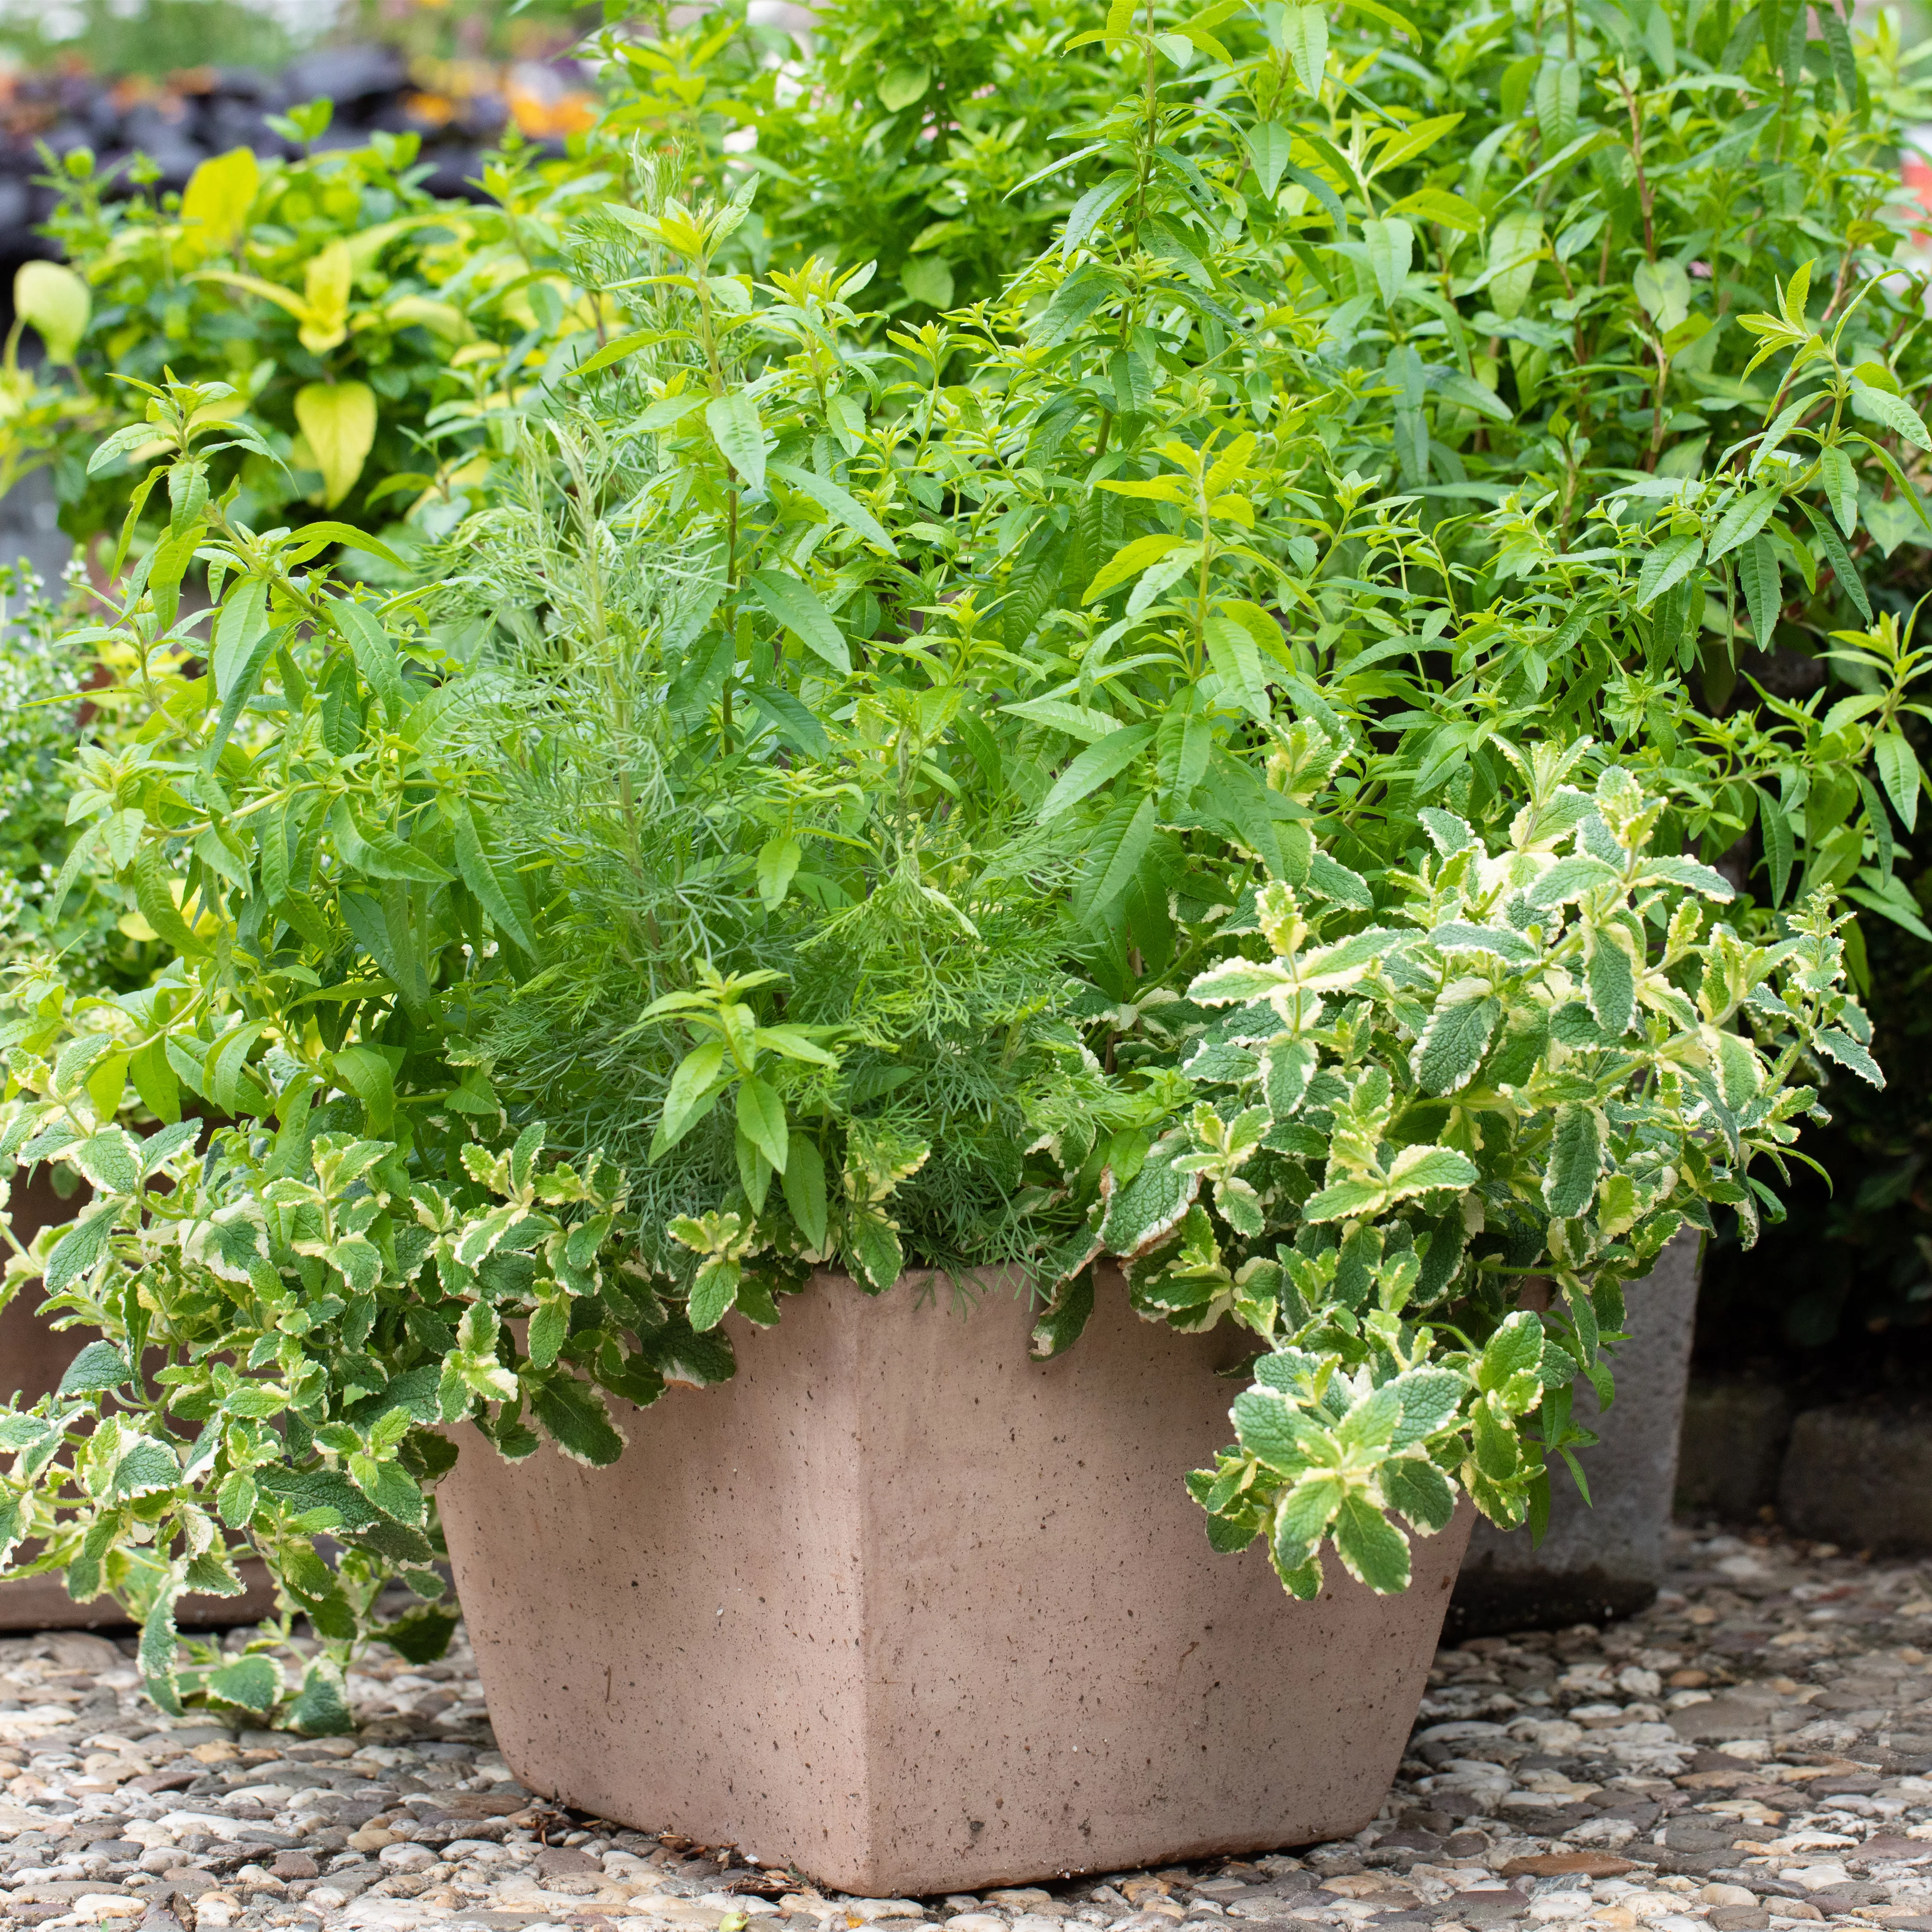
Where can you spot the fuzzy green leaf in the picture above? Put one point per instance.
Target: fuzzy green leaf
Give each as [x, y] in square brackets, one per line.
[1452, 1045]
[573, 1415]
[1576, 1156]
[1609, 981]
[248, 1684]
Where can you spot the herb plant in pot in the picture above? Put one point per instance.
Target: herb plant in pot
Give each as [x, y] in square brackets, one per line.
[1351, 1125]
[855, 867]
[1627, 174]
[42, 670]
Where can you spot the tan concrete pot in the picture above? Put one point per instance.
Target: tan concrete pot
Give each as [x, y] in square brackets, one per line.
[900, 1607]
[33, 1358]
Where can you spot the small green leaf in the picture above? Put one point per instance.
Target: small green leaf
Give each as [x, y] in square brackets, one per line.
[797, 606]
[1893, 412]
[778, 862]
[497, 888]
[1391, 246]
[693, 1086]
[1663, 290]
[1779, 846]
[249, 1683]
[1839, 478]
[1516, 246]
[1269, 147]
[902, 85]
[1094, 766]
[1114, 854]
[803, 1170]
[1742, 521]
[1898, 772]
[375, 653]
[1667, 564]
[1304, 34]
[1759, 576]
[740, 434]
[841, 505]
[1237, 664]
[239, 625]
[1128, 561]
[761, 1115]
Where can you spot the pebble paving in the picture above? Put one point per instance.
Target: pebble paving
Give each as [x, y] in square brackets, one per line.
[1753, 1752]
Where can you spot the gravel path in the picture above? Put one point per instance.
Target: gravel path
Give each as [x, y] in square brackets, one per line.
[1753, 1752]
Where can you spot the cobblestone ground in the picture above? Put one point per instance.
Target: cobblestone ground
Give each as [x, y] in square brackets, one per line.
[1752, 1752]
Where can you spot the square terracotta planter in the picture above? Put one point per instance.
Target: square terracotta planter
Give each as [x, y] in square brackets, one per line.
[899, 1607]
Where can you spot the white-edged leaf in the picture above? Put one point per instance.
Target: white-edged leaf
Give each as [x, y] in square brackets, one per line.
[1576, 1157]
[1418, 1170]
[1452, 1044]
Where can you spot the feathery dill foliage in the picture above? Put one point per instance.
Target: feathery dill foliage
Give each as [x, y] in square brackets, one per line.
[925, 931]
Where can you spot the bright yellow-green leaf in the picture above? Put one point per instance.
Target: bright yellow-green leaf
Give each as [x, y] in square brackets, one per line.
[902, 85]
[440, 318]
[1406, 145]
[326, 291]
[54, 302]
[215, 205]
[339, 420]
[1439, 205]
[1129, 562]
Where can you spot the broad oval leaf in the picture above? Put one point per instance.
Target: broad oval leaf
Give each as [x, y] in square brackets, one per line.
[338, 420]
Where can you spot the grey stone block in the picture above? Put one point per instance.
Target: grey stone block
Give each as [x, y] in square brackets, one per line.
[1607, 1560]
[1732, 1450]
[1859, 1477]
[29, 532]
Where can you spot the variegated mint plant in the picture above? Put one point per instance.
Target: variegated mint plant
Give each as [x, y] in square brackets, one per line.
[289, 1317]
[1516, 1075]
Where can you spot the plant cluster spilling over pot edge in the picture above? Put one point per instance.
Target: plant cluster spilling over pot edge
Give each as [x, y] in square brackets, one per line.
[838, 764]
